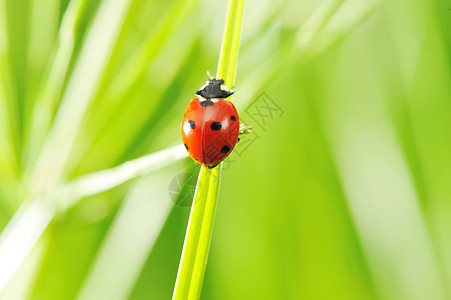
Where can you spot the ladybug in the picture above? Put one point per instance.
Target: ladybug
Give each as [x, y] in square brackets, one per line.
[211, 125]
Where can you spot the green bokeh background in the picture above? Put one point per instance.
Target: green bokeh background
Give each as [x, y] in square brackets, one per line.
[344, 195]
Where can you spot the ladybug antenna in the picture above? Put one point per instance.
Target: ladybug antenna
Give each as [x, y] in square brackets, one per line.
[209, 75]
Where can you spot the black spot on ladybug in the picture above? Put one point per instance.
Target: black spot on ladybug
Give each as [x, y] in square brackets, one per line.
[192, 124]
[233, 118]
[225, 149]
[206, 103]
[186, 146]
[215, 126]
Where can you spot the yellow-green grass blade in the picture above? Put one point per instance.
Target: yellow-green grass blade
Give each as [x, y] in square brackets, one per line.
[200, 225]
[207, 222]
[33, 217]
[8, 113]
[79, 94]
[118, 99]
[109, 116]
[131, 236]
[186, 268]
[49, 92]
[149, 48]
[228, 57]
[329, 24]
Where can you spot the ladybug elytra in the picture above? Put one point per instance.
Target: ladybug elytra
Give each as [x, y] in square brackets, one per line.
[211, 125]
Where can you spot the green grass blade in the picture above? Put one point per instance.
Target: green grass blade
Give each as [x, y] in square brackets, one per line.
[229, 51]
[205, 234]
[8, 114]
[101, 181]
[49, 92]
[192, 237]
[149, 49]
[313, 39]
[114, 98]
[28, 223]
[80, 92]
[200, 225]
[33, 217]
[121, 257]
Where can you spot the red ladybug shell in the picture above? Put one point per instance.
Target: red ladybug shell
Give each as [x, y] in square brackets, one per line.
[210, 130]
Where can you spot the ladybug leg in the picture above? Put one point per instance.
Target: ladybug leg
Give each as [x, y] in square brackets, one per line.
[245, 129]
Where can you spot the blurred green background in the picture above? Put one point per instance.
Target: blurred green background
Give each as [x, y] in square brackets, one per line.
[344, 195]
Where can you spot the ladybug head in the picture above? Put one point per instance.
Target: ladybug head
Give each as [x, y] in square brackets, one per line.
[214, 88]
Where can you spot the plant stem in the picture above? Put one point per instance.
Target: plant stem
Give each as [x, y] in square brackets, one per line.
[207, 222]
[228, 56]
[186, 268]
[200, 225]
